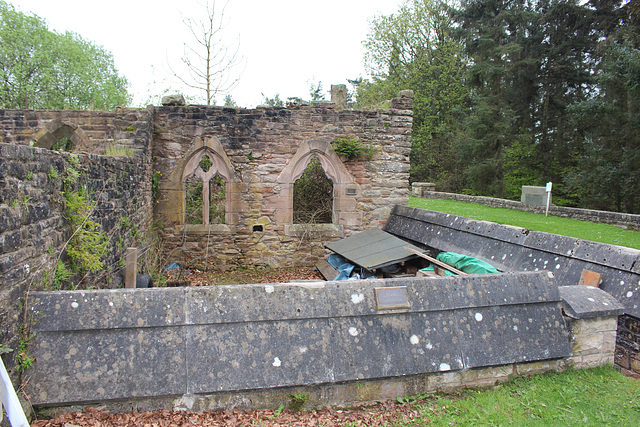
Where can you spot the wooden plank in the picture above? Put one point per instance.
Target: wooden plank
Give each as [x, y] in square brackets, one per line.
[436, 262]
[327, 270]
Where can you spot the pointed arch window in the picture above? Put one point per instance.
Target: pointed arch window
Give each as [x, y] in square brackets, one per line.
[205, 192]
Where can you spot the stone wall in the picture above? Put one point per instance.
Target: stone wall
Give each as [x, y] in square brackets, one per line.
[90, 131]
[102, 345]
[631, 221]
[33, 228]
[208, 348]
[260, 154]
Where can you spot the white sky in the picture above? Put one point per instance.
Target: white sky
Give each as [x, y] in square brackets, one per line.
[287, 44]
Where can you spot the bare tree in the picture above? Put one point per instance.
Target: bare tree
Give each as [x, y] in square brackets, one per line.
[210, 62]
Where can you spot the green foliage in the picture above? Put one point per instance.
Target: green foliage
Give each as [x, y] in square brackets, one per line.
[61, 276]
[88, 245]
[63, 144]
[130, 128]
[352, 148]
[155, 185]
[118, 150]
[413, 49]
[194, 200]
[313, 196]
[23, 359]
[297, 401]
[315, 92]
[276, 101]
[5, 350]
[29, 176]
[44, 69]
[53, 173]
[229, 103]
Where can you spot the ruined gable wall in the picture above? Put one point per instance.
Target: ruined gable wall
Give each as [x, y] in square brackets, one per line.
[262, 147]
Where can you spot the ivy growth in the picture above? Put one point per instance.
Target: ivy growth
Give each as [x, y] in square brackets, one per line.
[352, 148]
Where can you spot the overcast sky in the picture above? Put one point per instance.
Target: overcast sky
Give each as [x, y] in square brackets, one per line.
[287, 45]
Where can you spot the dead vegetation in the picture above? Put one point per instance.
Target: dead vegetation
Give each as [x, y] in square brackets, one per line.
[379, 415]
[240, 276]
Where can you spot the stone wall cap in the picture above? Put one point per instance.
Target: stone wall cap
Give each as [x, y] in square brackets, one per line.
[583, 302]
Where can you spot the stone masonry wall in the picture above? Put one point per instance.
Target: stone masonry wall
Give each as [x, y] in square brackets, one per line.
[261, 153]
[33, 228]
[617, 218]
[90, 131]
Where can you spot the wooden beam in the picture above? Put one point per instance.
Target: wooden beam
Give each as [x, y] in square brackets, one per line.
[436, 262]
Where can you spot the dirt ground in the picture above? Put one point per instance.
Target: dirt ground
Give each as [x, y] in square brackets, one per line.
[383, 414]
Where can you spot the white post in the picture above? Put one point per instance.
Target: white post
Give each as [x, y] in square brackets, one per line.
[10, 401]
[549, 185]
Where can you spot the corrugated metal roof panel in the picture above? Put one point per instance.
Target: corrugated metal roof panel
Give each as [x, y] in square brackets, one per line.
[373, 249]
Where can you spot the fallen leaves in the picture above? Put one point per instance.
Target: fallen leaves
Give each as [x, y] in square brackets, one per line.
[377, 415]
[268, 275]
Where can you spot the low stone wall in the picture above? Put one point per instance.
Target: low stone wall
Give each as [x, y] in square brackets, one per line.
[516, 249]
[616, 218]
[33, 229]
[206, 344]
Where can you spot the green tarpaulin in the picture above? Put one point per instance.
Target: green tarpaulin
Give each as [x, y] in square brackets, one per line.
[464, 263]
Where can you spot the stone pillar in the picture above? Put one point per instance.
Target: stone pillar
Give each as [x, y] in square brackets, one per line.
[339, 96]
[592, 319]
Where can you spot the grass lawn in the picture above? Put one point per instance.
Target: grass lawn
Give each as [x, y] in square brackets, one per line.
[604, 233]
[587, 397]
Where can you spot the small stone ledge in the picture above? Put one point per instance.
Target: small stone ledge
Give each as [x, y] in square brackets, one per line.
[201, 229]
[313, 230]
[584, 302]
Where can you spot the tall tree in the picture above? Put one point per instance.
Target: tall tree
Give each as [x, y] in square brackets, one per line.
[43, 69]
[608, 173]
[210, 63]
[413, 49]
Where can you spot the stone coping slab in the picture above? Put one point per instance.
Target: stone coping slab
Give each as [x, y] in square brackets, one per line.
[584, 302]
[146, 343]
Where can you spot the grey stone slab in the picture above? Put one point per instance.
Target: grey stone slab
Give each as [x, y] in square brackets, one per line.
[223, 304]
[407, 228]
[490, 336]
[583, 302]
[502, 289]
[507, 233]
[117, 308]
[355, 297]
[623, 286]
[431, 293]
[394, 344]
[250, 355]
[552, 243]
[85, 366]
[609, 255]
[502, 255]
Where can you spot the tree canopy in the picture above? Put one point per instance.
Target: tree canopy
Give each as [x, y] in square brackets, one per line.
[517, 92]
[43, 69]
